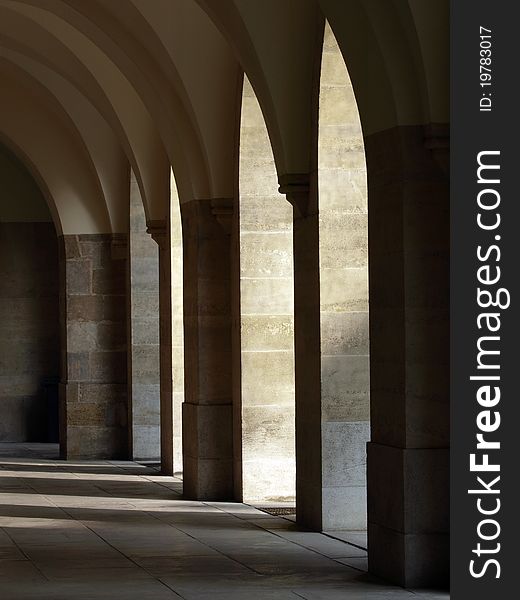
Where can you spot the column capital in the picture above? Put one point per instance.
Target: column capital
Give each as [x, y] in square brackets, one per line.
[296, 187]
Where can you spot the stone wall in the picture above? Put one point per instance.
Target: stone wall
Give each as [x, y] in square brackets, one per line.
[93, 391]
[266, 287]
[177, 325]
[29, 327]
[144, 391]
[343, 234]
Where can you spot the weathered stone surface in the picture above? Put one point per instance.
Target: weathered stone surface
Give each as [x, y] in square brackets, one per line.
[108, 367]
[269, 296]
[145, 364]
[145, 331]
[344, 455]
[344, 333]
[259, 385]
[111, 336]
[89, 414]
[91, 442]
[344, 290]
[145, 302]
[146, 409]
[265, 213]
[94, 412]
[268, 433]
[98, 252]
[71, 247]
[346, 508]
[409, 335]
[266, 254]
[85, 308]
[151, 350]
[145, 273]
[110, 279]
[79, 277]
[29, 327]
[265, 458]
[331, 313]
[78, 366]
[267, 332]
[146, 438]
[89, 392]
[81, 336]
[208, 329]
[345, 388]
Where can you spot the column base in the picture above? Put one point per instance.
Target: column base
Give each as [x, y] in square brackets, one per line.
[408, 515]
[208, 451]
[414, 560]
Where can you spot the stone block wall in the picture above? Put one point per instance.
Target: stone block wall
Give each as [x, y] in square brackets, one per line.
[93, 389]
[29, 327]
[343, 248]
[266, 288]
[144, 388]
[177, 324]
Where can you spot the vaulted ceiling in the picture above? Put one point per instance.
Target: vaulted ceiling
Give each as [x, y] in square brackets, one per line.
[91, 88]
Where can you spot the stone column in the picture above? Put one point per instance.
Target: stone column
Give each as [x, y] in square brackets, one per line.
[408, 457]
[160, 232]
[302, 194]
[93, 389]
[208, 406]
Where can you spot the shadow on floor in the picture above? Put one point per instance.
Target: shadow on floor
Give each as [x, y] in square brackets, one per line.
[120, 530]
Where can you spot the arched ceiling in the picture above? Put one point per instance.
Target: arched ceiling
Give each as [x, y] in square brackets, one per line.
[396, 52]
[21, 200]
[157, 83]
[108, 158]
[135, 75]
[42, 133]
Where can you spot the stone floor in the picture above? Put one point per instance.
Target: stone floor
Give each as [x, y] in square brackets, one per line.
[110, 530]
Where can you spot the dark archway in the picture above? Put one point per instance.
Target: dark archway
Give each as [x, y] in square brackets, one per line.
[29, 309]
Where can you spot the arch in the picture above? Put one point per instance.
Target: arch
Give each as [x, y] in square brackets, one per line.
[198, 135]
[49, 146]
[399, 61]
[58, 45]
[38, 177]
[344, 308]
[282, 66]
[29, 322]
[103, 147]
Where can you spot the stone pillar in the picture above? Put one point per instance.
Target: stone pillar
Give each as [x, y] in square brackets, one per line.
[144, 373]
[160, 232]
[302, 194]
[408, 457]
[93, 389]
[208, 406]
